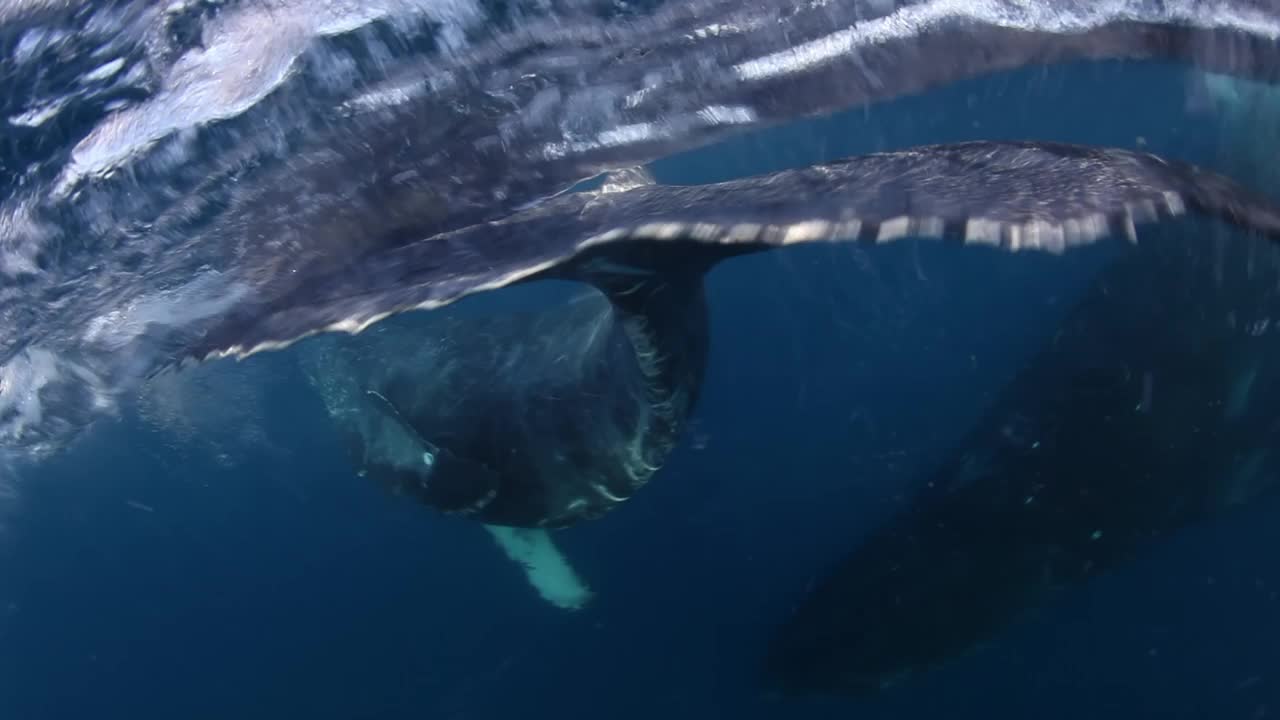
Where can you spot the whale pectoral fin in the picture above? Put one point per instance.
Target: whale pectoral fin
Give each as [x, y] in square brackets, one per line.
[545, 567]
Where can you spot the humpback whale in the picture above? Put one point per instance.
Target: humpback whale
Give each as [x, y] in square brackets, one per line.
[537, 422]
[1153, 408]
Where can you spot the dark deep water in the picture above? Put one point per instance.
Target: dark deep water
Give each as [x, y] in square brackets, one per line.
[146, 578]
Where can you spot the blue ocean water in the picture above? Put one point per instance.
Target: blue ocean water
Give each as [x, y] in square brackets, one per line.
[144, 577]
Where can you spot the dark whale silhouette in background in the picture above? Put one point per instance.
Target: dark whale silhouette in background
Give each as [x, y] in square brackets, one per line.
[1155, 406]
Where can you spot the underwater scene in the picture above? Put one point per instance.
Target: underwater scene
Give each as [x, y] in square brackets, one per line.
[469, 359]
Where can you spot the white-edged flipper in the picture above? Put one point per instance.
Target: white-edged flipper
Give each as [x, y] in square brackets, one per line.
[546, 568]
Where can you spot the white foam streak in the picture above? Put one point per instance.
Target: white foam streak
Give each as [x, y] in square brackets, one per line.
[206, 296]
[28, 378]
[911, 21]
[244, 57]
[637, 133]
